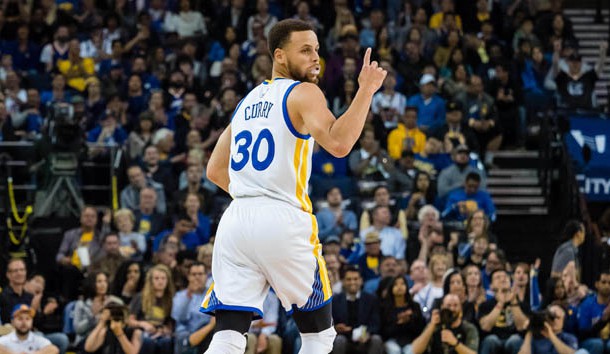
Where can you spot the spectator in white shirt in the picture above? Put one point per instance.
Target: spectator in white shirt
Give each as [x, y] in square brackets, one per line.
[187, 23]
[22, 339]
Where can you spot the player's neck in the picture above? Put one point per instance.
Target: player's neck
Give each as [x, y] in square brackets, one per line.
[280, 72]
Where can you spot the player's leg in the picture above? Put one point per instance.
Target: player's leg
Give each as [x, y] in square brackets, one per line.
[317, 331]
[231, 327]
[239, 287]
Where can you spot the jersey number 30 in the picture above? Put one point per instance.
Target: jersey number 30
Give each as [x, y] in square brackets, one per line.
[243, 140]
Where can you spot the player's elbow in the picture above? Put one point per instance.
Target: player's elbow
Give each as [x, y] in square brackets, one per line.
[212, 173]
[339, 150]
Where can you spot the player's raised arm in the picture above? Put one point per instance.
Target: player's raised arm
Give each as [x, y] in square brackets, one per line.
[217, 170]
[337, 136]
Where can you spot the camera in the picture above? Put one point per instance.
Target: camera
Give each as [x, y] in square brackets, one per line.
[447, 318]
[64, 129]
[117, 312]
[537, 320]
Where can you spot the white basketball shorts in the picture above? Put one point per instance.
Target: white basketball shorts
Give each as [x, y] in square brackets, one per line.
[262, 242]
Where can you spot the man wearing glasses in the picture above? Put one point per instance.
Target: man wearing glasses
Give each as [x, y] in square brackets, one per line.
[14, 294]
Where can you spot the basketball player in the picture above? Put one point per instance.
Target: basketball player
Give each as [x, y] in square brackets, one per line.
[268, 236]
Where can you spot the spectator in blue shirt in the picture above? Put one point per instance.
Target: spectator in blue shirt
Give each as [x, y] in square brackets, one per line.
[430, 106]
[328, 171]
[552, 339]
[183, 235]
[25, 52]
[392, 242]
[201, 222]
[594, 317]
[193, 329]
[34, 117]
[464, 201]
[107, 131]
[332, 220]
[137, 99]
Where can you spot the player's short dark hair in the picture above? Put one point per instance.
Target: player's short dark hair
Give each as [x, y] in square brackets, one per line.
[280, 33]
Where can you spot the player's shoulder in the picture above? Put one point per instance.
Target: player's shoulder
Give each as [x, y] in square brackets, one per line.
[305, 92]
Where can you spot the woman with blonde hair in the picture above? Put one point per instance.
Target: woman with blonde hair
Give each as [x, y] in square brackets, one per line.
[151, 310]
[133, 244]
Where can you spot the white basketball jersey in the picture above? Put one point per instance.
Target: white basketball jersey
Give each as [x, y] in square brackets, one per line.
[268, 156]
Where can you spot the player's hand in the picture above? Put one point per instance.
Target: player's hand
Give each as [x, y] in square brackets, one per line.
[371, 75]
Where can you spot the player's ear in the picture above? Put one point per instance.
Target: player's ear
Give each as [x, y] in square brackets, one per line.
[279, 56]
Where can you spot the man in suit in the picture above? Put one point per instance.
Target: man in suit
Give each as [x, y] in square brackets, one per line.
[356, 318]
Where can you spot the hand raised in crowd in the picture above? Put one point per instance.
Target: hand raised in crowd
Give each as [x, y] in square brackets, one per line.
[435, 318]
[342, 328]
[105, 316]
[50, 307]
[107, 218]
[147, 327]
[448, 337]
[404, 316]
[371, 75]
[547, 331]
[262, 344]
[117, 328]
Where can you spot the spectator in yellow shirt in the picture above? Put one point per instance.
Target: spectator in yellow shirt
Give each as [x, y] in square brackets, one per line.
[76, 69]
[407, 135]
[436, 20]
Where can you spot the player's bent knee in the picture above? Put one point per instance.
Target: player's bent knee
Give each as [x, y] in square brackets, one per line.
[227, 342]
[314, 321]
[321, 342]
[237, 321]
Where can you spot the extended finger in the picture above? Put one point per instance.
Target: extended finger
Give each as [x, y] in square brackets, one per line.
[367, 57]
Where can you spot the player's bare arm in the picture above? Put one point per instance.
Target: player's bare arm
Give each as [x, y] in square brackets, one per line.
[310, 114]
[218, 165]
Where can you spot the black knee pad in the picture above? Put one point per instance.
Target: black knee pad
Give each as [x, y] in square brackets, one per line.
[238, 321]
[314, 321]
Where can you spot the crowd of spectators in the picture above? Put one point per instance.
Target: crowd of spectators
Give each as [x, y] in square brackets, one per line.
[405, 220]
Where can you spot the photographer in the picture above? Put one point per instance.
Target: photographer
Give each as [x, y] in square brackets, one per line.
[447, 332]
[545, 334]
[111, 335]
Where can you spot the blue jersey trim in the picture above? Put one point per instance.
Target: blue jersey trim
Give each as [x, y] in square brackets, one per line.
[309, 309]
[210, 310]
[287, 117]
[237, 107]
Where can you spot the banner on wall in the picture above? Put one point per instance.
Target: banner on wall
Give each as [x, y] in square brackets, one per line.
[588, 144]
